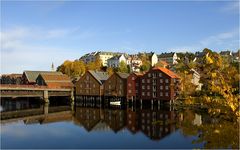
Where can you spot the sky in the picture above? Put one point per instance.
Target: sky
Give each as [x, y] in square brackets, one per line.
[36, 34]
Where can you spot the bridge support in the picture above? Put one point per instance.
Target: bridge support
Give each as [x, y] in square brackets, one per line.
[45, 108]
[72, 96]
[45, 96]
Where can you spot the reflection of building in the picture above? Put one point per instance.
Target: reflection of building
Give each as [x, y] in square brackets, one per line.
[155, 124]
[91, 83]
[116, 119]
[132, 121]
[88, 117]
[95, 119]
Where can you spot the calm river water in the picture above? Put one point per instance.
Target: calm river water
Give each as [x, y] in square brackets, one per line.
[27, 123]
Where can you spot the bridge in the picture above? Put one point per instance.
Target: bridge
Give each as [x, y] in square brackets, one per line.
[44, 92]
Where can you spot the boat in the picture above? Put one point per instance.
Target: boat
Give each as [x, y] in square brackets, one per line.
[115, 103]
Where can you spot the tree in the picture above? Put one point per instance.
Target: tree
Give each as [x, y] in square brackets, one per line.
[78, 68]
[95, 65]
[72, 69]
[146, 64]
[217, 78]
[123, 67]
[110, 71]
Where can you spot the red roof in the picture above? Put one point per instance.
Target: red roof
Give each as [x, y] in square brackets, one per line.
[57, 80]
[167, 72]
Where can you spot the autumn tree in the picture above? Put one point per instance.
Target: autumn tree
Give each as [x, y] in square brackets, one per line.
[110, 71]
[146, 64]
[95, 65]
[217, 79]
[72, 68]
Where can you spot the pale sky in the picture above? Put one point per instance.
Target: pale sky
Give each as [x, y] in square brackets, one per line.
[35, 34]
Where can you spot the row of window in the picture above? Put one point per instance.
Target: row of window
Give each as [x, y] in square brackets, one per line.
[87, 85]
[155, 94]
[154, 87]
[154, 81]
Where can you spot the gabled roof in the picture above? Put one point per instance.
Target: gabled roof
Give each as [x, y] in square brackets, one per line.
[100, 76]
[32, 75]
[225, 53]
[167, 72]
[56, 80]
[116, 57]
[123, 75]
[164, 55]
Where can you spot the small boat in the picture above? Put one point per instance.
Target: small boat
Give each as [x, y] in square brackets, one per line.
[115, 103]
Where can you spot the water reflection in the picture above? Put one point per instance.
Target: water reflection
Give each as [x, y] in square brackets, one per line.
[165, 125]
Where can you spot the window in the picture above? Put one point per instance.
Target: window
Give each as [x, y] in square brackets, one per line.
[81, 85]
[143, 93]
[129, 84]
[148, 93]
[133, 78]
[148, 80]
[166, 94]
[143, 81]
[154, 94]
[161, 94]
[143, 87]
[161, 87]
[109, 86]
[166, 80]
[161, 80]
[166, 87]
[154, 75]
[154, 81]
[129, 91]
[149, 75]
[154, 88]
[87, 77]
[148, 87]
[136, 91]
[160, 74]
[136, 84]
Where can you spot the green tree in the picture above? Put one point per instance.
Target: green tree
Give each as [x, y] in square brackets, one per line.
[123, 67]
